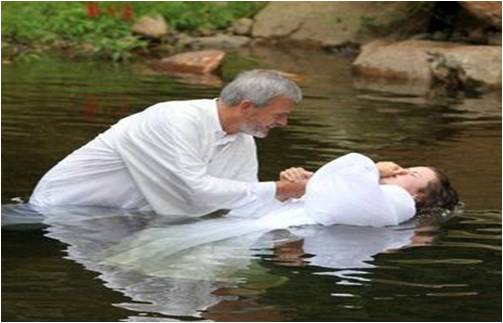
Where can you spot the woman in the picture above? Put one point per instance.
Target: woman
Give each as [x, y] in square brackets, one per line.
[351, 190]
[429, 186]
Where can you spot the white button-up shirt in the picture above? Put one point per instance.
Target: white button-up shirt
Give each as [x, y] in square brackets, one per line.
[173, 158]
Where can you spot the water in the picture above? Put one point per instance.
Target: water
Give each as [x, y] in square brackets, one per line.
[426, 270]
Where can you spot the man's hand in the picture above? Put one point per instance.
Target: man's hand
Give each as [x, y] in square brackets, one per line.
[295, 174]
[286, 190]
[388, 169]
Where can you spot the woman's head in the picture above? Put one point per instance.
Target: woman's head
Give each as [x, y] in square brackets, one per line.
[429, 186]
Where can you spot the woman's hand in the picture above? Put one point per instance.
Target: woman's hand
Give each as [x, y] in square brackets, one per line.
[295, 175]
[388, 169]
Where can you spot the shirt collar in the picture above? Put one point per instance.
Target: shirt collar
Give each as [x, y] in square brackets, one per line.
[221, 137]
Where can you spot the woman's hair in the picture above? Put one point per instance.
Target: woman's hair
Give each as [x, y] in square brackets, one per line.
[260, 87]
[438, 194]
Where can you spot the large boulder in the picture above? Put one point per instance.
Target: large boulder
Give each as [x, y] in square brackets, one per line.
[220, 41]
[330, 23]
[199, 62]
[151, 26]
[430, 62]
[489, 11]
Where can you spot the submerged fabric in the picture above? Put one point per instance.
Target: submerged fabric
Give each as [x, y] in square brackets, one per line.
[173, 158]
[188, 281]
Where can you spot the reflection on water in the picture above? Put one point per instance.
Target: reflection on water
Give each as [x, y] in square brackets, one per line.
[424, 270]
[199, 277]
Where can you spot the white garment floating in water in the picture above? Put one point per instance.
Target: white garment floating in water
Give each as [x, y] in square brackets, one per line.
[344, 191]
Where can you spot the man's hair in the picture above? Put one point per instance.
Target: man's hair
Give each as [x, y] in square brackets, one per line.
[260, 87]
[438, 194]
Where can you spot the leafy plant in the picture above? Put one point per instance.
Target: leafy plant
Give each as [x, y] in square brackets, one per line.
[106, 26]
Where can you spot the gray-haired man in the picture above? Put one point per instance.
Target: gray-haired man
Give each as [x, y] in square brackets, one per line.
[181, 157]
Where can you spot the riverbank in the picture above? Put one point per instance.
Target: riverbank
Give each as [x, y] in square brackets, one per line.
[117, 31]
[415, 48]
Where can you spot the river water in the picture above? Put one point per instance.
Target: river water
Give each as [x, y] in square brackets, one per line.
[431, 269]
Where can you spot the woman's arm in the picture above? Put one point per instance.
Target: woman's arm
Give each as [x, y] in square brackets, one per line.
[388, 169]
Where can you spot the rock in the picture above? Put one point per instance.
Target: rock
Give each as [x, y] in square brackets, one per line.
[151, 26]
[164, 49]
[183, 40]
[219, 41]
[243, 27]
[489, 11]
[478, 68]
[438, 35]
[205, 32]
[477, 36]
[87, 48]
[329, 23]
[457, 36]
[200, 62]
[417, 61]
[344, 50]
[494, 38]
[421, 36]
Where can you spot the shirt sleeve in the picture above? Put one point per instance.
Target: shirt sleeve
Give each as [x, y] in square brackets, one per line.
[163, 151]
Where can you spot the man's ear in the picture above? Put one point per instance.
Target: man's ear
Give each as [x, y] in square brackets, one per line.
[246, 106]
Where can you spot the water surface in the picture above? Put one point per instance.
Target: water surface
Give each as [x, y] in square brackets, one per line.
[426, 270]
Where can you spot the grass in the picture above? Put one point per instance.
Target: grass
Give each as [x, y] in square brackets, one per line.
[103, 29]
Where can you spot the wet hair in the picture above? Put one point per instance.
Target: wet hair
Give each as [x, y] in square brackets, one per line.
[260, 87]
[438, 194]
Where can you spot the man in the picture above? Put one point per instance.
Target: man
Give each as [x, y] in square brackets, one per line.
[181, 157]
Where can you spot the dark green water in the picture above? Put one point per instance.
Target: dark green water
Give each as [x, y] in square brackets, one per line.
[447, 272]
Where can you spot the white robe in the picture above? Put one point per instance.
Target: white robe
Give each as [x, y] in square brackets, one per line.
[173, 158]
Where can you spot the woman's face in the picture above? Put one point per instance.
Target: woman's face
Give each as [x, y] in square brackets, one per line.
[415, 179]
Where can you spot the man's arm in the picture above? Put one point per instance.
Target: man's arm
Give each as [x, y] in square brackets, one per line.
[164, 157]
[286, 189]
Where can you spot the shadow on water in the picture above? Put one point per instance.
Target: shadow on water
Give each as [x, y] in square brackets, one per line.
[422, 271]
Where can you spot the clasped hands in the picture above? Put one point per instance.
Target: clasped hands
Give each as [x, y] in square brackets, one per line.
[292, 183]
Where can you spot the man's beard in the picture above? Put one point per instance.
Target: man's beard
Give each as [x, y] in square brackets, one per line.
[254, 130]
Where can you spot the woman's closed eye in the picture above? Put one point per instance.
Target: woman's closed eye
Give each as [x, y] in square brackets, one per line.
[414, 173]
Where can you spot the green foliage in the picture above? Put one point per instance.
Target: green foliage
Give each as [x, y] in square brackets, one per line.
[50, 23]
[190, 15]
[40, 24]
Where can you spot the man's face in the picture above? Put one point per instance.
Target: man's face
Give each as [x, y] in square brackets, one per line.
[258, 121]
[416, 179]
